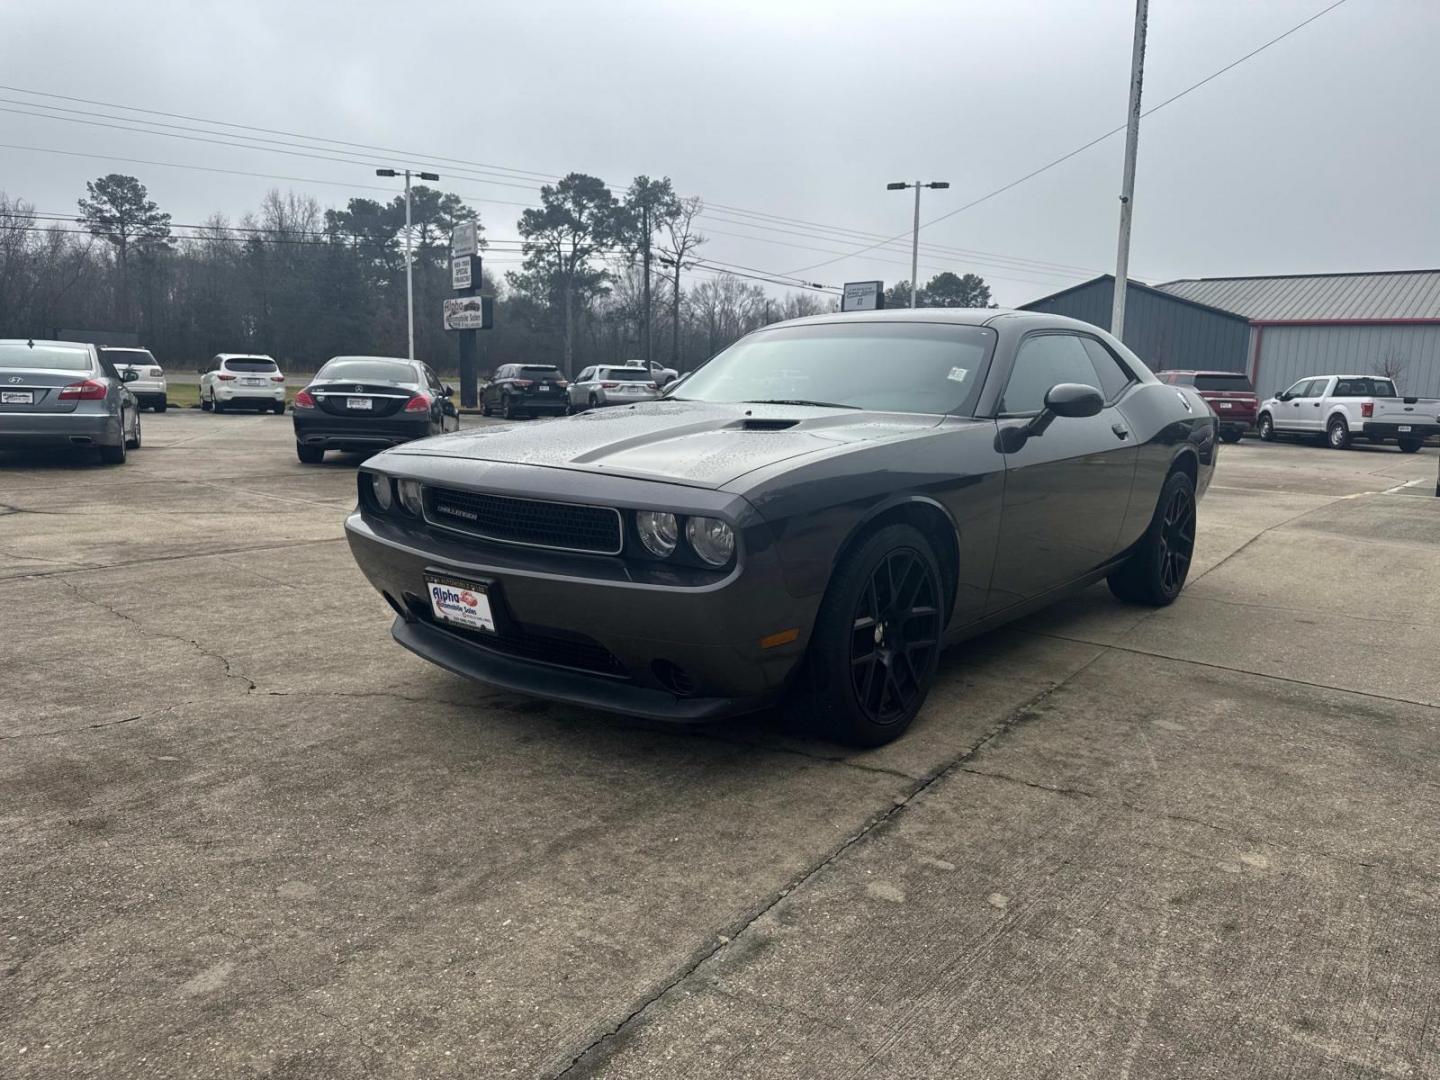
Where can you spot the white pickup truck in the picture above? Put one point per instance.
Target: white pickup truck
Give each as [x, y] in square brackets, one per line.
[1343, 408]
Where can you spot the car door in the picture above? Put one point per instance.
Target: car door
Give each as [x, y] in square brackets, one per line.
[1310, 416]
[579, 391]
[1066, 491]
[1288, 405]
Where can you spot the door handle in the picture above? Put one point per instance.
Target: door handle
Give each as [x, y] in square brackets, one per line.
[1315, 404]
[1120, 430]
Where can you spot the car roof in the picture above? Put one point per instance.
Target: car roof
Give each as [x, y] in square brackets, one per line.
[244, 356]
[46, 341]
[1200, 371]
[393, 359]
[953, 316]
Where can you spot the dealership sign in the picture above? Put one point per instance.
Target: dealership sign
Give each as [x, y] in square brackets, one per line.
[863, 296]
[464, 271]
[470, 313]
[465, 239]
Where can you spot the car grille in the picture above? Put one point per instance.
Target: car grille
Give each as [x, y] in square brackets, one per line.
[542, 645]
[563, 526]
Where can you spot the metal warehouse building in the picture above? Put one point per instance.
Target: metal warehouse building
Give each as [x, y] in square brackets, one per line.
[1164, 329]
[1278, 329]
[1319, 324]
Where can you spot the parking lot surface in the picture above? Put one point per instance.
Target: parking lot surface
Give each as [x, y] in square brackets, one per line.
[247, 835]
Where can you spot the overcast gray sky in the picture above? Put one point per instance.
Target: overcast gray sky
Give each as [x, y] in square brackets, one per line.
[1317, 155]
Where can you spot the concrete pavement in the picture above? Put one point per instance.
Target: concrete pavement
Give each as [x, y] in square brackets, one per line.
[249, 835]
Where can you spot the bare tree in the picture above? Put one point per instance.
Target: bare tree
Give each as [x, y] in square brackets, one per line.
[683, 239]
[1393, 363]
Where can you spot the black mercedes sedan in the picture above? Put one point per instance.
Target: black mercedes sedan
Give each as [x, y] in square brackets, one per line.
[368, 403]
[816, 511]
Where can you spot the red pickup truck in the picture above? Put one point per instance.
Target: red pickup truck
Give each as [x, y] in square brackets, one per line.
[1229, 394]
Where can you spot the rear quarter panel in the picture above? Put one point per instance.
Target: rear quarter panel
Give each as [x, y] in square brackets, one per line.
[1165, 429]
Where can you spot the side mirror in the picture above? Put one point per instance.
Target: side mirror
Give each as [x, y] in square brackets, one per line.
[674, 384]
[1073, 400]
[446, 390]
[1285, 396]
[129, 375]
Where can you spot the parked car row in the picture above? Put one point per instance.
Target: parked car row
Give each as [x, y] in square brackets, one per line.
[1341, 409]
[64, 395]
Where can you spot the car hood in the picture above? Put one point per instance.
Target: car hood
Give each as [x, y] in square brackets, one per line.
[683, 442]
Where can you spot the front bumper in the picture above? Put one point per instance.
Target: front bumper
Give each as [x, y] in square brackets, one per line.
[356, 433]
[591, 630]
[53, 431]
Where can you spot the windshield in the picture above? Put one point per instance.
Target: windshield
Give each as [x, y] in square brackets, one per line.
[51, 357]
[127, 357]
[250, 365]
[1232, 384]
[886, 366]
[625, 374]
[359, 370]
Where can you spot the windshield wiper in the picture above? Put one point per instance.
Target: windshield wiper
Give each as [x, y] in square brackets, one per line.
[799, 401]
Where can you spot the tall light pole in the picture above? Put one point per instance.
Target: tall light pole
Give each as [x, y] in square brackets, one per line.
[915, 240]
[1127, 181]
[409, 271]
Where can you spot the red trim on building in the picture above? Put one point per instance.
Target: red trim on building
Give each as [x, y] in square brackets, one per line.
[1345, 322]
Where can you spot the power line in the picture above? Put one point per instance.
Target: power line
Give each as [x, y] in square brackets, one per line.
[1093, 142]
[293, 150]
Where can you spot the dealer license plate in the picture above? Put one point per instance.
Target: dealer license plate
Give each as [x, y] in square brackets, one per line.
[461, 603]
[252, 382]
[1403, 427]
[17, 397]
[544, 389]
[1226, 405]
[359, 403]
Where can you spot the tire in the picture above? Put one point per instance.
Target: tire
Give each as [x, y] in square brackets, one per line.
[134, 444]
[1230, 436]
[161, 405]
[204, 405]
[1337, 434]
[113, 455]
[278, 408]
[1409, 446]
[846, 705]
[1265, 428]
[507, 410]
[309, 455]
[215, 406]
[484, 407]
[1155, 571]
[594, 402]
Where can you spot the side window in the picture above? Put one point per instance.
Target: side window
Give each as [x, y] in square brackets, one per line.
[1316, 388]
[431, 378]
[504, 372]
[1297, 389]
[1114, 374]
[584, 376]
[1043, 361]
[108, 367]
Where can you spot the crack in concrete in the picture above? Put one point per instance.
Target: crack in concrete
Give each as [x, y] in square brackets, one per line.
[92, 568]
[230, 671]
[1170, 815]
[589, 1055]
[72, 731]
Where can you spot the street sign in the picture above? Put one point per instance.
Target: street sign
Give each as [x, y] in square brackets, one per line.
[464, 271]
[465, 240]
[863, 296]
[470, 313]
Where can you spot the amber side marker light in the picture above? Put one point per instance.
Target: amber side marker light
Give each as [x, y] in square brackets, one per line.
[784, 637]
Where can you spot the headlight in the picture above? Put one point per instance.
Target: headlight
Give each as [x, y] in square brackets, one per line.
[380, 488]
[712, 539]
[410, 497]
[658, 532]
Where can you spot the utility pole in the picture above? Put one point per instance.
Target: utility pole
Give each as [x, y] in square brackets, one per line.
[409, 264]
[1127, 183]
[645, 224]
[915, 238]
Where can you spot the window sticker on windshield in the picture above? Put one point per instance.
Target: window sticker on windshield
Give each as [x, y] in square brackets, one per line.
[957, 374]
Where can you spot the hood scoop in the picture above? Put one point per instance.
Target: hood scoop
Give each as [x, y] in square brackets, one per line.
[760, 423]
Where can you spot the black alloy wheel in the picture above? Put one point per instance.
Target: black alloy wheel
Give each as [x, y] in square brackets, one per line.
[1155, 572]
[1266, 428]
[877, 638]
[507, 408]
[484, 407]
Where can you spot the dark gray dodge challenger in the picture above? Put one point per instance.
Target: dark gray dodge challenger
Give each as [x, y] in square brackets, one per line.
[819, 509]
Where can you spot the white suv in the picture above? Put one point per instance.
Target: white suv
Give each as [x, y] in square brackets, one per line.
[242, 380]
[148, 386]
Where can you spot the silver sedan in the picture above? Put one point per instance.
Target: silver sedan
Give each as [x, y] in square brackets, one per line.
[62, 394]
